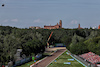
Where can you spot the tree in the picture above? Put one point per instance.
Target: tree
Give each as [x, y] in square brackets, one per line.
[66, 40]
[78, 48]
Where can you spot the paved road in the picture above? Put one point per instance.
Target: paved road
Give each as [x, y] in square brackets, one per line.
[47, 60]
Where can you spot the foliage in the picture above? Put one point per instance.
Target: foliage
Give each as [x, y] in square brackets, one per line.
[64, 58]
[93, 44]
[33, 41]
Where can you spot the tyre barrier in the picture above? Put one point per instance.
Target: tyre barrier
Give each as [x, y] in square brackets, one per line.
[20, 62]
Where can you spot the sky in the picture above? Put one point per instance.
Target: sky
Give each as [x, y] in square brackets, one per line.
[25, 13]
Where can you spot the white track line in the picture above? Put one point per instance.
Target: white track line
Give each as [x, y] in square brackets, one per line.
[56, 58]
[45, 58]
[39, 61]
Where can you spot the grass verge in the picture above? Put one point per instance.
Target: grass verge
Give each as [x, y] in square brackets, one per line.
[27, 64]
[32, 62]
[64, 58]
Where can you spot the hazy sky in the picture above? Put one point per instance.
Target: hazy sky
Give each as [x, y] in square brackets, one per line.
[25, 13]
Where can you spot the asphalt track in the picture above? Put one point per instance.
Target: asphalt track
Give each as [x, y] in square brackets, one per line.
[49, 59]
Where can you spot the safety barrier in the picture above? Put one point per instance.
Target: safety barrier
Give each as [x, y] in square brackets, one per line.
[78, 61]
[20, 62]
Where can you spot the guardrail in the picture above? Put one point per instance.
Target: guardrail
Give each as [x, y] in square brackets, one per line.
[78, 61]
[85, 63]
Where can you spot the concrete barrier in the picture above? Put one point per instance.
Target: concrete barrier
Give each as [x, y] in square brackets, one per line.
[78, 61]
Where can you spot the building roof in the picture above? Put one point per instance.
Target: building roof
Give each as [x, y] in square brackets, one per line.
[48, 26]
[99, 27]
[91, 57]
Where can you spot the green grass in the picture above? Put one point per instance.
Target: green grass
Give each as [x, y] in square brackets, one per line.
[64, 58]
[59, 62]
[31, 62]
[27, 64]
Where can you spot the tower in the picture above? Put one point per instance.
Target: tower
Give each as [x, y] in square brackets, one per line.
[99, 27]
[60, 23]
[78, 26]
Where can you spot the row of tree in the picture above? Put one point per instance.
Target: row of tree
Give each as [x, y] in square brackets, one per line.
[30, 41]
[33, 41]
[81, 44]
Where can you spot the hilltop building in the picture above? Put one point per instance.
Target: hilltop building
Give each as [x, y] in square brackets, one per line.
[99, 27]
[79, 27]
[57, 26]
[32, 27]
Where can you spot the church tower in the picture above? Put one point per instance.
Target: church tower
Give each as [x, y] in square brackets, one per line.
[60, 23]
[99, 27]
[79, 26]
